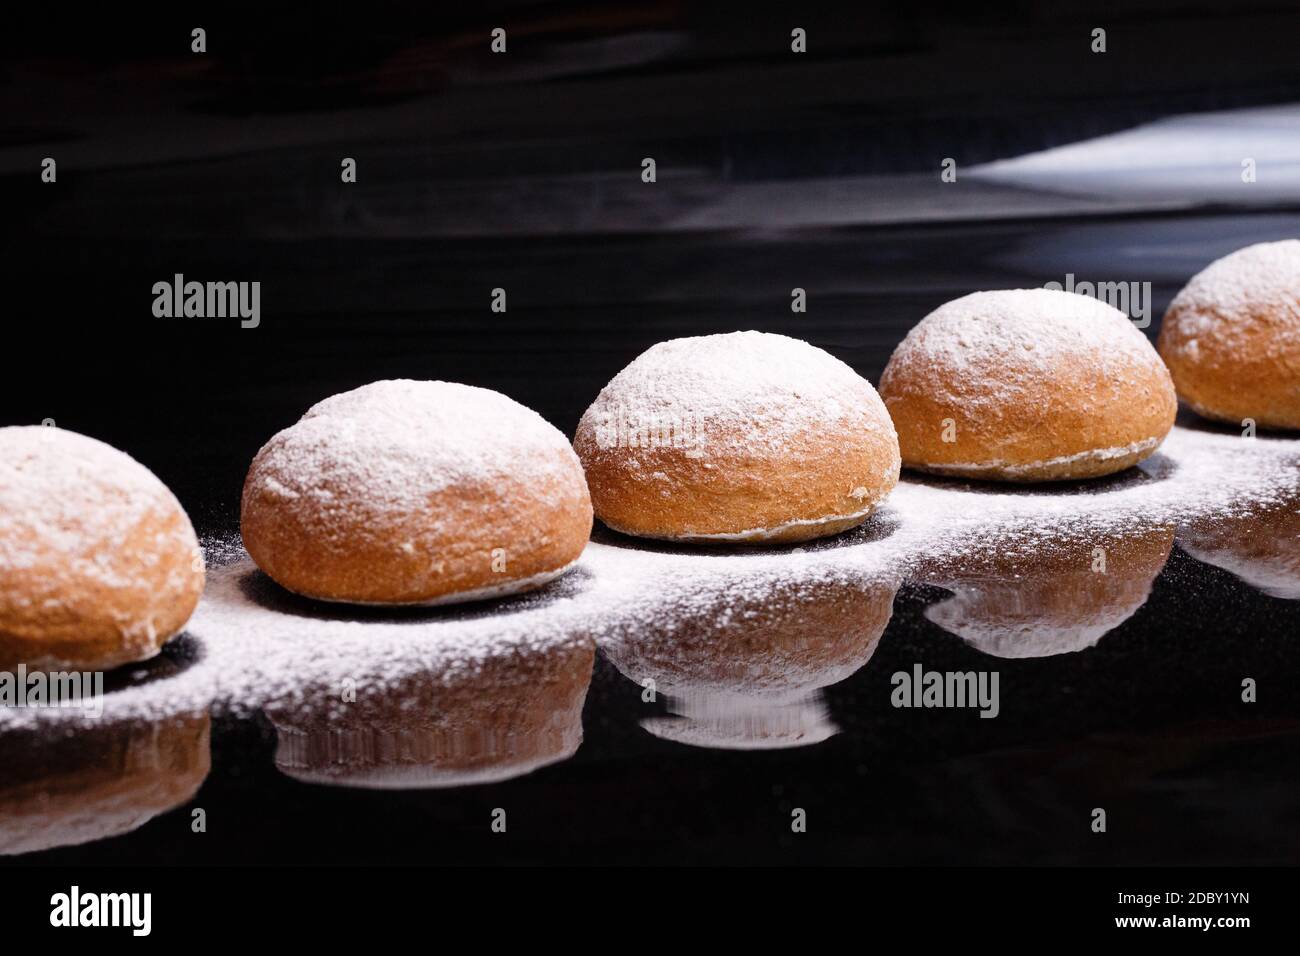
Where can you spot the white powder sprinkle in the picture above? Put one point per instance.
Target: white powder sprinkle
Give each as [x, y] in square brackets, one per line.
[262, 645]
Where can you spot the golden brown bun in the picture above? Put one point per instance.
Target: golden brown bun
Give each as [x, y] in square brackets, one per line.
[516, 712]
[1259, 544]
[65, 789]
[746, 437]
[1040, 594]
[1027, 385]
[1231, 337]
[99, 565]
[741, 658]
[405, 492]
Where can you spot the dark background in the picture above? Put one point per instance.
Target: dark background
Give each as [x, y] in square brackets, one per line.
[523, 172]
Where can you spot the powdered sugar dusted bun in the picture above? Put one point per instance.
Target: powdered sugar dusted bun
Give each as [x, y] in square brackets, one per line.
[99, 565]
[1027, 385]
[747, 437]
[403, 492]
[1231, 337]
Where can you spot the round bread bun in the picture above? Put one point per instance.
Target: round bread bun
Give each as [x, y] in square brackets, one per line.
[431, 728]
[1027, 385]
[403, 492]
[1259, 544]
[741, 658]
[1040, 594]
[745, 437]
[1231, 337]
[103, 780]
[99, 565]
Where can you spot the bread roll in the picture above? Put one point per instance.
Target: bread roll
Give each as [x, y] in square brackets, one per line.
[99, 565]
[403, 492]
[1231, 337]
[1027, 385]
[744, 437]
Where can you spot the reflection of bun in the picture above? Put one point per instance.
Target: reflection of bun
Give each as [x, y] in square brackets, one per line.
[101, 781]
[1261, 546]
[1231, 337]
[506, 717]
[758, 726]
[742, 662]
[1043, 596]
[741, 437]
[407, 492]
[99, 565]
[1027, 385]
[774, 638]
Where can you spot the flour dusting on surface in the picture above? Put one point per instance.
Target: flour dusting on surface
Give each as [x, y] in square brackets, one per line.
[262, 645]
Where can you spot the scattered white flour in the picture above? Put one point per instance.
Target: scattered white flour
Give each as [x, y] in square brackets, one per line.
[262, 645]
[277, 638]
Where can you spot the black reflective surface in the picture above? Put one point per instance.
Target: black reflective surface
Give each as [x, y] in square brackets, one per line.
[1131, 699]
[1149, 723]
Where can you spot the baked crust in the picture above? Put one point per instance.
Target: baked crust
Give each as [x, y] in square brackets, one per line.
[735, 479]
[334, 507]
[1231, 337]
[99, 564]
[1027, 385]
